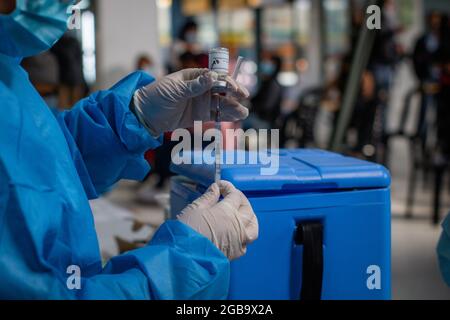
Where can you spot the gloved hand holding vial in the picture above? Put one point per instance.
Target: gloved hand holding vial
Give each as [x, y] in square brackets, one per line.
[178, 99]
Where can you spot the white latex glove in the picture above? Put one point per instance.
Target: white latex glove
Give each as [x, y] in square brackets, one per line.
[230, 224]
[181, 98]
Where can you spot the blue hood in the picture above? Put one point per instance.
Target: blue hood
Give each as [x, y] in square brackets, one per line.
[33, 27]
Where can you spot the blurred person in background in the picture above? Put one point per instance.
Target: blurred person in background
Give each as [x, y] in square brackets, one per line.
[363, 117]
[369, 116]
[43, 71]
[425, 61]
[72, 85]
[427, 47]
[266, 104]
[145, 63]
[187, 42]
[189, 60]
[385, 56]
[386, 51]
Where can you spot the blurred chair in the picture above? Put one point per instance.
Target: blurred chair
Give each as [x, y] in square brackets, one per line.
[297, 128]
[415, 148]
[420, 150]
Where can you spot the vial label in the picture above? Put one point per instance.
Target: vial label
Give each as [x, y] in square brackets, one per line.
[219, 62]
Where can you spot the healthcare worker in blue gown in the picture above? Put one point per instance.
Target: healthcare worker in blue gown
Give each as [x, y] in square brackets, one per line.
[52, 164]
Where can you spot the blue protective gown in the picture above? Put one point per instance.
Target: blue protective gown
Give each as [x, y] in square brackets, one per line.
[50, 165]
[443, 250]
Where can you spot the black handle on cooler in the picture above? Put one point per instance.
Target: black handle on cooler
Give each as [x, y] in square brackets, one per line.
[310, 235]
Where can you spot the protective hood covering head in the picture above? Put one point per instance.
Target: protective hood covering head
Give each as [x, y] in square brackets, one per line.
[33, 27]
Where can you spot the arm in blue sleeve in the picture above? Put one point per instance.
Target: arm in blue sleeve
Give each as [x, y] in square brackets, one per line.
[105, 138]
[443, 250]
[178, 264]
[41, 236]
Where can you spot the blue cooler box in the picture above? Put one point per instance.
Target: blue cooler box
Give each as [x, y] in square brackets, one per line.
[324, 226]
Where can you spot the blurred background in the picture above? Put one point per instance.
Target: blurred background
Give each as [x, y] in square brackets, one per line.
[313, 72]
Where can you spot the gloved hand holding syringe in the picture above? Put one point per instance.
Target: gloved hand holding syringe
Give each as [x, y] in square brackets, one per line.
[219, 63]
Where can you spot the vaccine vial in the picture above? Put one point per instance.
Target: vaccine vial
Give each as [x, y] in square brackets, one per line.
[219, 59]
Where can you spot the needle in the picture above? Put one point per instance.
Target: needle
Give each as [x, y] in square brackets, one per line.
[218, 126]
[218, 147]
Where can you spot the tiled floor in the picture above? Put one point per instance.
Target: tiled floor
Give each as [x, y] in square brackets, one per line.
[415, 273]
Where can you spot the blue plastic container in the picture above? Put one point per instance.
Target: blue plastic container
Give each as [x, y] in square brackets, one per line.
[324, 226]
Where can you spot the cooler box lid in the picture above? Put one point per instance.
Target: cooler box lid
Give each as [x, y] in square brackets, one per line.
[299, 170]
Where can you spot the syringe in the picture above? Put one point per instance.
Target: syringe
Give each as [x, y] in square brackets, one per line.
[218, 126]
[218, 145]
